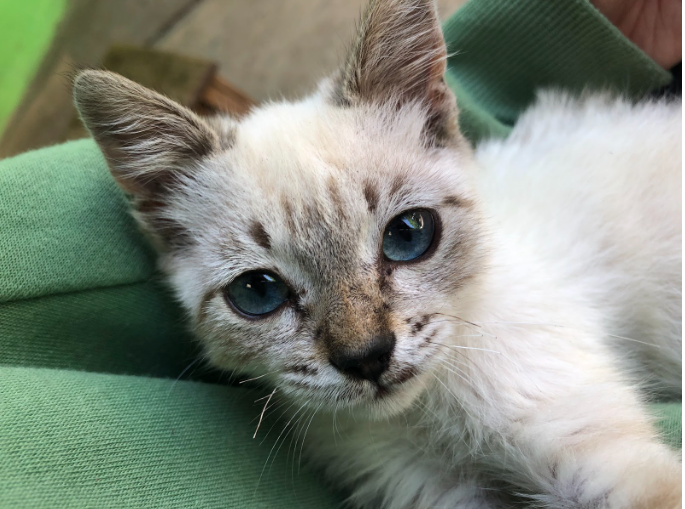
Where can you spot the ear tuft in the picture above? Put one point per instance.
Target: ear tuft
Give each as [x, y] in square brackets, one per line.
[147, 139]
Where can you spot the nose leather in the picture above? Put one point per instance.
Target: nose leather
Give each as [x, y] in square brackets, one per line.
[368, 363]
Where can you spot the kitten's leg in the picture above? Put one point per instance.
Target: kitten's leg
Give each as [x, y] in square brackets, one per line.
[565, 426]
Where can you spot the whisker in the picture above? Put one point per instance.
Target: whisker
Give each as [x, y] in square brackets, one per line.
[468, 382]
[460, 347]
[458, 318]
[465, 322]
[262, 398]
[459, 372]
[299, 461]
[633, 339]
[184, 372]
[257, 377]
[295, 426]
[277, 420]
[446, 388]
[278, 407]
[461, 335]
[275, 444]
[543, 324]
[261, 416]
[293, 443]
[335, 423]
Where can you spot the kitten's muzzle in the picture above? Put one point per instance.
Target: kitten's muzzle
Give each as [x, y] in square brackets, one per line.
[369, 363]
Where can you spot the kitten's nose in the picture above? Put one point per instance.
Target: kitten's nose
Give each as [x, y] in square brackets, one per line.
[369, 363]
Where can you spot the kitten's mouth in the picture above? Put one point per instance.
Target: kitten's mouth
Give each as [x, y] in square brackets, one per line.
[395, 385]
[382, 392]
[402, 375]
[389, 397]
[395, 390]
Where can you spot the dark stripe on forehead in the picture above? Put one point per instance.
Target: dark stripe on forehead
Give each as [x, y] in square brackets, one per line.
[456, 201]
[371, 196]
[289, 218]
[338, 95]
[175, 235]
[314, 215]
[259, 235]
[397, 184]
[334, 191]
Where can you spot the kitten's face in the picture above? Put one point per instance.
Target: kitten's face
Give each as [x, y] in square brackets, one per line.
[305, 194]
[276, 231]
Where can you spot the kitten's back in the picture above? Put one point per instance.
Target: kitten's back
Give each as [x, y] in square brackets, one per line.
[592, 188]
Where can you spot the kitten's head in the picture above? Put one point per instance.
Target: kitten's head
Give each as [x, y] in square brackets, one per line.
[324, 244]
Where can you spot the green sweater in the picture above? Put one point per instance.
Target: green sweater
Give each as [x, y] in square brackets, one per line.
[91, 343]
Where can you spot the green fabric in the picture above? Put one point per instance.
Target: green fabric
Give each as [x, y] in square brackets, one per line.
[46, 217]
[131, 329]
[79, 297]
[669, 421]
[502, 52]
[75, 439]
[78, 287]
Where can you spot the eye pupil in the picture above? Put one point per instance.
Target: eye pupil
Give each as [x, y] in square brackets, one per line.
[408, 235]
[257, 293]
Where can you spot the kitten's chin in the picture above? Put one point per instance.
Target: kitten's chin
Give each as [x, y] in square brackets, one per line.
[367, 400]
[393, 401]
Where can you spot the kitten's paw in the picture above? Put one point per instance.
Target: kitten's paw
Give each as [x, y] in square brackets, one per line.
[665, 496]
[661, 489]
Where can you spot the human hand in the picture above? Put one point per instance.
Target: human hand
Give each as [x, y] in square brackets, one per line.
[655, 26]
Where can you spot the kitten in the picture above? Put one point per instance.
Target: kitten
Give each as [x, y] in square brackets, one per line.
[472, 322]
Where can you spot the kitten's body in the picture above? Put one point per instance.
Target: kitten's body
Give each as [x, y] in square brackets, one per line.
[590, 191]
[551, 289]
[583, 275]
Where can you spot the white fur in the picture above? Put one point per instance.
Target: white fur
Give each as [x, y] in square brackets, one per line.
[575, 304]
[582, 204]
[553, 296]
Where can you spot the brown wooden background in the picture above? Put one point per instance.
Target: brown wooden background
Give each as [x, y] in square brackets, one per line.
[264, 48]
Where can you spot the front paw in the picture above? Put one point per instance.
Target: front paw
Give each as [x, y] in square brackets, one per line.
[661, 488]
[666, 495]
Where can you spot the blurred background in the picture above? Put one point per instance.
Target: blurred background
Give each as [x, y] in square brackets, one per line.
[211, 55]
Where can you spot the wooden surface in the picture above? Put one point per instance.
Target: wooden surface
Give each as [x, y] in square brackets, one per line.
[84, 35]
[272, 48]
[181, 78]
[266, 48]
[49, 112]
[221, 96]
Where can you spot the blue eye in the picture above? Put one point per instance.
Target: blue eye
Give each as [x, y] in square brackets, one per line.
[408, 235]
[257, 292]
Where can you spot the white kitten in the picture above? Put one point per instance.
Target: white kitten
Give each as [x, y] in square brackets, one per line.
[473, 326]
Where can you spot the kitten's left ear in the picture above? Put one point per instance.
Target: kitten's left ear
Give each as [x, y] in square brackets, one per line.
[148, 139]
[399, 57]
[151, 143]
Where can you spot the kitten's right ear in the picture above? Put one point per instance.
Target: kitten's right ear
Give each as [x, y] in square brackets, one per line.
[399, 57]
[147, 139]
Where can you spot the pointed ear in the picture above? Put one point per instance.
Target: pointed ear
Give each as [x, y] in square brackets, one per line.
[399, 57]
[152, 145]
[147, 139]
